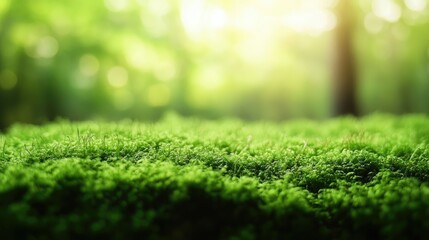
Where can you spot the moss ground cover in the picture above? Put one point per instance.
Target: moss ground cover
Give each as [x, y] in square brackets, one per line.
[179, 178]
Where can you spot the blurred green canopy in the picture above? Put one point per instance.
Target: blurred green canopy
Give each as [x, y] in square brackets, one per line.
[254, 59]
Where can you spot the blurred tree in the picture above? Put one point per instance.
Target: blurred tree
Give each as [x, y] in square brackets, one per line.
[344, 67]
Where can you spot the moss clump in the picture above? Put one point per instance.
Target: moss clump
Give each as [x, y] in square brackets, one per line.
[189, 179]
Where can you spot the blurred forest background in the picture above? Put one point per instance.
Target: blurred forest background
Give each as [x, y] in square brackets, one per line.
[253, 59]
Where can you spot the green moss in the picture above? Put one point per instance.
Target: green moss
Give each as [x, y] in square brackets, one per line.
[191, 179]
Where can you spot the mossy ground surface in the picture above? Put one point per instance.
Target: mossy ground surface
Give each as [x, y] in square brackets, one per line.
[189, 179]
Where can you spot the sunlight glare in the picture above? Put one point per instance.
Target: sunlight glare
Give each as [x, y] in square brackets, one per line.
[198, 17]
[209, 77]
[191, 15]
[248, 19]
[217, 18]
[311, 21]
[254, 50]
[387, 10]
[416, 5]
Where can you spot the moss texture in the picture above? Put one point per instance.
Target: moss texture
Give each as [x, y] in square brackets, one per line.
[179, 178]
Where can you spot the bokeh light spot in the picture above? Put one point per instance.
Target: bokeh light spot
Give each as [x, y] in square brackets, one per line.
[44, 47]
[117, 5]
[117, 77]
[156, 27]
[139, 55]
[81, 82]
[416, 5]
[88, 65]
[166, 71]
[372, 23]
[191, 15]
[158, 95]
[157, 7]
[209, 77]
[387, 10]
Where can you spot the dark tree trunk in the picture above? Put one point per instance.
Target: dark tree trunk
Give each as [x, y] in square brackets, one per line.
[344, 68]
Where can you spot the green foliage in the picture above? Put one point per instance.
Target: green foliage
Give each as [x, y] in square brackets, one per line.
[190, 179]
[84, 60]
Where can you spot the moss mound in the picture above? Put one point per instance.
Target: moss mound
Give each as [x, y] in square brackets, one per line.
[189, 179]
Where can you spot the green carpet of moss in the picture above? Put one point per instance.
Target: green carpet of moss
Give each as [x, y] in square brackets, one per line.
[189, 179]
